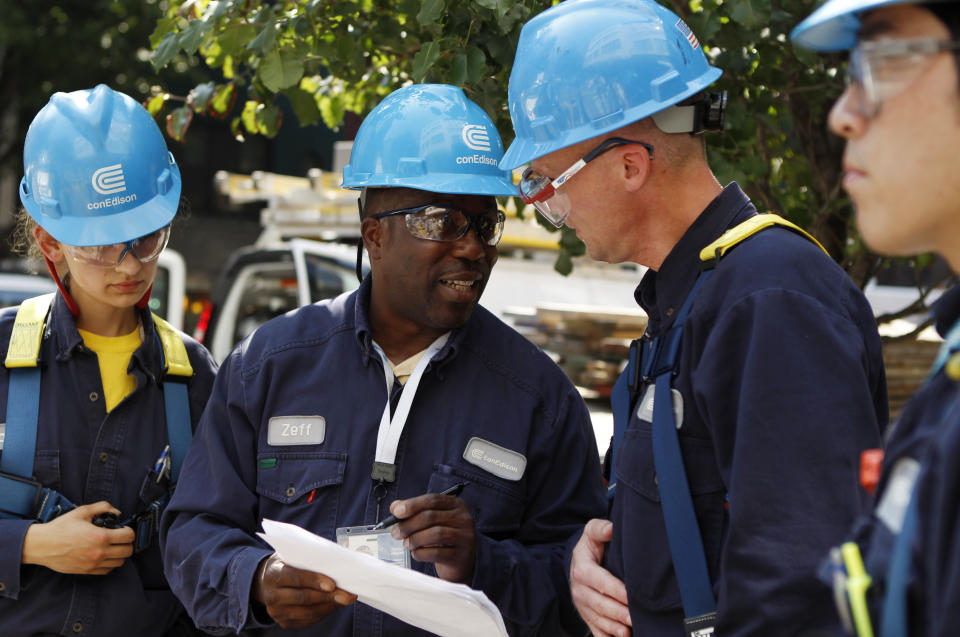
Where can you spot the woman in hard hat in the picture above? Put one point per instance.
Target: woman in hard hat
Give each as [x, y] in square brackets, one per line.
[100, 396]
[899, 573]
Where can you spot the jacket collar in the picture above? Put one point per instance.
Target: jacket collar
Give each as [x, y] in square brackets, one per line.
[662, 293]
[61, 329]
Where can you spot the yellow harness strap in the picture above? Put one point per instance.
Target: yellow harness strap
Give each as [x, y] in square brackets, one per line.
[27, 334]
[751, 226]
[174, 351]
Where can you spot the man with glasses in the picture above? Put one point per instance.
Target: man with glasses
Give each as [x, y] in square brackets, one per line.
[741, 418]
[900, 117]
[376, 403]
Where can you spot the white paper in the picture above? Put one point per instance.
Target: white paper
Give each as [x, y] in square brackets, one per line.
[444, 608]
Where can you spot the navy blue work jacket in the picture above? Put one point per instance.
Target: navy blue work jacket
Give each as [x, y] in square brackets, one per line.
[926, 433]
[782, 385]
[90, 455]
[487, 382]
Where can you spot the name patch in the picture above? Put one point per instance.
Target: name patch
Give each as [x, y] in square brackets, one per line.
[495, 459]
[296, 430]
[896, 496]
[645, 408]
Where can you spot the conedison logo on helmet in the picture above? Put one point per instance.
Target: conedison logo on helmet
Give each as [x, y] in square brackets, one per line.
[476, 137]
[107, 181]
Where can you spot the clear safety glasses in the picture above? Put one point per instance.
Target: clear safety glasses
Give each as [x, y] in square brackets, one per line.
[436, 222]
[540, 191]
[882, 69]
[145, 249]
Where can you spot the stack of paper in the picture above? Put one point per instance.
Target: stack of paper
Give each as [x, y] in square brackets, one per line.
[444, 608]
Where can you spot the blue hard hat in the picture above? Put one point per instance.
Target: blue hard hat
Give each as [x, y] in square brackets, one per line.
[96, 169]
[428, 137]
[586, 67]
[834, 25]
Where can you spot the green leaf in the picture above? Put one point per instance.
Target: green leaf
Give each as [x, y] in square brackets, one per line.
[235, 129]
[304, 106]
[458, 70]
[476, 63]
[235, 37]
[269, 119]
[424, 60]
[430, 12]
[222, 102]
[280, 69]
[499, 7]
[743, 14]
[249, 117]
[332, 109]
[563, 264]
[164, 26]
[265, 40]
[199, 97]
[167, 49]
[155, 104]
[192, 37]
[178, 121]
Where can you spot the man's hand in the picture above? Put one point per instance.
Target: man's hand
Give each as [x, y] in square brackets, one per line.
[438, 528]
[600, 598]
[295, 598]
[72, 544]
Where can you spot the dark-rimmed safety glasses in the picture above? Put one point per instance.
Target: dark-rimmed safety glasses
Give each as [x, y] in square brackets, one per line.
[436, 222]
[540, 191]
[882, 69]
[144, 249]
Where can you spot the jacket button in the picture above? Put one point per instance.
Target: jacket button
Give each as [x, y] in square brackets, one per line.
[291, 492]
[78, 627]
[104, 456]
[94, 396]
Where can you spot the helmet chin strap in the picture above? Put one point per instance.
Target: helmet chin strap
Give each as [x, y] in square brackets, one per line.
[74, 308]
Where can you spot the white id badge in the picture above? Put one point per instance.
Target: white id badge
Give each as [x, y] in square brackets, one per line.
[379, 543]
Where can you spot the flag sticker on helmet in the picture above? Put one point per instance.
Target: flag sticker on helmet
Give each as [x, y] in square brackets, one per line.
[109, 180]
[476, 137]
[685, 30]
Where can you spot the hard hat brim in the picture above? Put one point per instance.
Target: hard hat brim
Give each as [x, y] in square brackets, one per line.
[835, 25]
[119, 227]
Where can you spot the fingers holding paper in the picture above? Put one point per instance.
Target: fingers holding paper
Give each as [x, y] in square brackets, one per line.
[439, 529]
[295, 598]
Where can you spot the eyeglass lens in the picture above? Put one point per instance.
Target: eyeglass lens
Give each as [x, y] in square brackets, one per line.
[443, 223]
[145, 249]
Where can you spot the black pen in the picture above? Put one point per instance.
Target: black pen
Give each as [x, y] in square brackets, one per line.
[391, 519]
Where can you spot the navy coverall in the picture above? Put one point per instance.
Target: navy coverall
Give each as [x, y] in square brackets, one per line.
[487, 382]
[782, 385]
[90, 455]
[928, 433]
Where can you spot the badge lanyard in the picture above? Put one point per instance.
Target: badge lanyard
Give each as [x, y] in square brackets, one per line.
[388, 436]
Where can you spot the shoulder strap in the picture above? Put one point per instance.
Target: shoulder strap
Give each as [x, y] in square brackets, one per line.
[176, 399]
[20, 495]
[713, 252]
[23, 393]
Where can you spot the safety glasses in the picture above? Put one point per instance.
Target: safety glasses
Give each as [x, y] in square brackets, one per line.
[435, 222]
[879, 70]
[145, 249]
[540, 191]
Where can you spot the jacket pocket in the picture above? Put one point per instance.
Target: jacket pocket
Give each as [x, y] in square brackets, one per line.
[302, 488]
[643, 548]
[496, 505]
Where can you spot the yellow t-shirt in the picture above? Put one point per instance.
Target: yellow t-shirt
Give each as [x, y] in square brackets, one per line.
[113, 354]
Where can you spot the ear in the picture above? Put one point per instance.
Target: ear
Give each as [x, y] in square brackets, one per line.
[50, 247]
[635, 165]
[371, 231]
